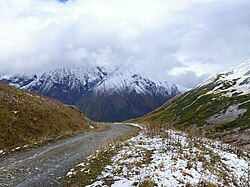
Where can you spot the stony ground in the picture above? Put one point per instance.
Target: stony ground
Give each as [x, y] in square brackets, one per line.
[44, 166]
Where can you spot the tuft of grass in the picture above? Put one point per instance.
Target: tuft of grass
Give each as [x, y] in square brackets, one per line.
[146, 183]
[206, 184]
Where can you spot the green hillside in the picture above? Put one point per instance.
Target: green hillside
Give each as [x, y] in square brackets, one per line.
[219, 108]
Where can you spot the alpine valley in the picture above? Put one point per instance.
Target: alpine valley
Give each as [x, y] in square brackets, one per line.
[101, 94]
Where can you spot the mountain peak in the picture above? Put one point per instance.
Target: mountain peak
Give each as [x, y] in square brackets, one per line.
[235, 81]
[115, 94]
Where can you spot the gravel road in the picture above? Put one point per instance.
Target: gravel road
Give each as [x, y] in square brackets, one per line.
[44, 166]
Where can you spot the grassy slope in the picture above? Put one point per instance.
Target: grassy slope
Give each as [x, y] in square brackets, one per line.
[194, 107]
[27, 118]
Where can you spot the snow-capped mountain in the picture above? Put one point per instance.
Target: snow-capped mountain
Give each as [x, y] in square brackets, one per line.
[220, 106]
[123, 79]
[235, 81]
[102, 94]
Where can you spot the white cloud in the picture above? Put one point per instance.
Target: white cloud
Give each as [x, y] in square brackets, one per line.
[169, 39]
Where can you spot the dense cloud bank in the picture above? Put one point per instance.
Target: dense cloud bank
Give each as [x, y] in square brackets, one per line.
[182, 41]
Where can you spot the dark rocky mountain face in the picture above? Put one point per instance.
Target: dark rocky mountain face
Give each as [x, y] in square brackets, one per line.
[119, 107]
[103, 95]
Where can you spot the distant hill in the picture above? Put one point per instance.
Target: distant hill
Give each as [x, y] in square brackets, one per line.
[101, 94]
[220, 106]
[28, 118]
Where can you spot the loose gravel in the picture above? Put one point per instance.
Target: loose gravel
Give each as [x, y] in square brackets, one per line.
[46, 165]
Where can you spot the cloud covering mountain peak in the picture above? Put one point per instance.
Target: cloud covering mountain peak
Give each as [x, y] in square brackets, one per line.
[155, 36]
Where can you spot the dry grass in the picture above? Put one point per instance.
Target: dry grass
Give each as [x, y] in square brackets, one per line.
[27, 118]
[93, 166]
[147, 183]
[149, 159]
[196, 134]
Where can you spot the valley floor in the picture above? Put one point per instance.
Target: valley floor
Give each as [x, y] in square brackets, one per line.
[169, 159]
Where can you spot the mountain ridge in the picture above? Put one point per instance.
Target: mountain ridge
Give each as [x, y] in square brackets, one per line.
[219, 107]
[236, 78]
[92, 89]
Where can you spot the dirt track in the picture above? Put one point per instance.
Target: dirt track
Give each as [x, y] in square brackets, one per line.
[44, 166]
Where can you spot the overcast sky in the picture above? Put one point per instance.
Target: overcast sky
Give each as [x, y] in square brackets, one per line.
[183, 41]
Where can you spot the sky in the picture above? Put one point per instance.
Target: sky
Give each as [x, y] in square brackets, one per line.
[181, 41]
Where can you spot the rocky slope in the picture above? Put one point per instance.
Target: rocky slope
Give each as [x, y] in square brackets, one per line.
[28, 118]
[219, 106]
[102, 94]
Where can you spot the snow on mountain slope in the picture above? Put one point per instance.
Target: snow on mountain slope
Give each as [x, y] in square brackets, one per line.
[18, 81]
[124, 79]
[102, 94]
[91, 77]
[78, 79]
[219, 107]
[235, 81]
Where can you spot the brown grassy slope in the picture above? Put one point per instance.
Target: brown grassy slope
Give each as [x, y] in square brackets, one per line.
[26, 118]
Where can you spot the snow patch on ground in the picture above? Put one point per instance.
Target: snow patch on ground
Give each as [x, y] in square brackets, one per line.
[15, 149]
[70, 173]
[135, 125]
[174, 159]
[15, 112]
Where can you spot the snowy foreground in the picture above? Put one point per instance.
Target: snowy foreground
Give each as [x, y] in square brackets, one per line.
[173, 159]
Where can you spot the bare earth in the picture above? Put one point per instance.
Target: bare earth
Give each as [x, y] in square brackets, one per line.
[45, 165]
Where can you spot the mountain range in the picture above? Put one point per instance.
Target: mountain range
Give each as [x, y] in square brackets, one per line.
[102, 94]
[220, 107]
